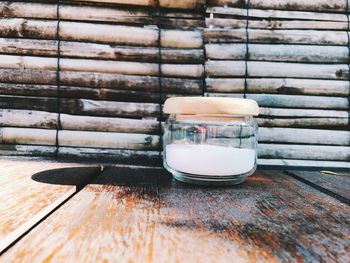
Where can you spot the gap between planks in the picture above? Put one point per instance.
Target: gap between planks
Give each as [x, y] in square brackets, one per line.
[320, 188]
[24, 229]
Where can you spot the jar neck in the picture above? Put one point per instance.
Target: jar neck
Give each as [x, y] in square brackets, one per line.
[209, 117]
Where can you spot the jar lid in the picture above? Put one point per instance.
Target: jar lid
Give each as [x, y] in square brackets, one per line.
[209, 105]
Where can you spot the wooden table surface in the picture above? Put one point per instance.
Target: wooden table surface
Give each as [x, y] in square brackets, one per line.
[52, 211]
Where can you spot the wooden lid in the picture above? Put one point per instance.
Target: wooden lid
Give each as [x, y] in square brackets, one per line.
[209, 105]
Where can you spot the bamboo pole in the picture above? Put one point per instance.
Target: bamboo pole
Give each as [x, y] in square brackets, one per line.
[304, 152]
[107, 13]
[282, 53]
[87, 93]
[35, 47]
[108, 140]
[305, 136]
[216, 68]
[82, 106]
[27, 150]
[111, 14]
[276, 24]
[181, 4]
[87, 65]
[317, 5]
[39, 90]
[27, 136]
[78, 138]
[28, 119]
[280, 112]
[90, 32]
[49, 120]
[100, 155]
[279, 85]
[305, 122]
[87, 123]
[308, 37]
[111, 108]
[102, 80]
[113, 81]
[231, 12]
[292, 101]
[113, 155]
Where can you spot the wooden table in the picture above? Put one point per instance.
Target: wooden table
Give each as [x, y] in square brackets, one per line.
[53, 211]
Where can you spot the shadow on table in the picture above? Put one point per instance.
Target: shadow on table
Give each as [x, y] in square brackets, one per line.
[136, 176]
[67, 176]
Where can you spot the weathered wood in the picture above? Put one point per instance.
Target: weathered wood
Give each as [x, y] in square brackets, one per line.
[102, 80]
[49, 120]
[303, 163]
[88, 93]
[318, 5]
[283, 53]
[121, 82]
[82, 106]
[279, 85]
[72, 122]
[111, 108]
[31, 151]
[333, 183]
[182, 4]
[322, 119]
[229, 12]
[142, 213]
[87, 65]
[222, 68]
[306, 136]
[91, 32]
[276, 24]
[28, 76]
[305, 122]
[114, 14]
[27, 136]
[276, 112]
[108, 140]
[24, 201]
[32, 103]
[307, 37]
[111, 155]
[292, 101]
[85, 154]
[132, 141]
[304, 152]
[30, 119]
[37, 47]
[22, 9]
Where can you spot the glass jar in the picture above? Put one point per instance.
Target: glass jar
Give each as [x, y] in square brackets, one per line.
[209, 144]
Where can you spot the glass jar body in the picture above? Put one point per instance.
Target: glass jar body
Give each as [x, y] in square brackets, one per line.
[210, 149]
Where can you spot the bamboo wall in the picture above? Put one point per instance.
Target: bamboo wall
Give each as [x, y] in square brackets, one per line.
[88, 78]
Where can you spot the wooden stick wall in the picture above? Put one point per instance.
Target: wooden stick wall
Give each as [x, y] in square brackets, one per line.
[91, 75]
[97, 72]
[292, 57]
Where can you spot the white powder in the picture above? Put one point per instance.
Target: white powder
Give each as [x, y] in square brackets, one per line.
[212, 160]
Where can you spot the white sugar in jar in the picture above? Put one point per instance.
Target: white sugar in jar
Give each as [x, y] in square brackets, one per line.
[210, 141]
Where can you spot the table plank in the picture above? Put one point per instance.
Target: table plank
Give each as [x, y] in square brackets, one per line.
[336, 184]
[30, 189]
[143, 215]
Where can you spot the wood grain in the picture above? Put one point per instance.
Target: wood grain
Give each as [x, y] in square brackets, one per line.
[303, 163]
[129, 214]
[334, 183]
[25, 198]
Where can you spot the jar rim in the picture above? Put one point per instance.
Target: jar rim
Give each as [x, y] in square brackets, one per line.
[211, 105]
[209, 118]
